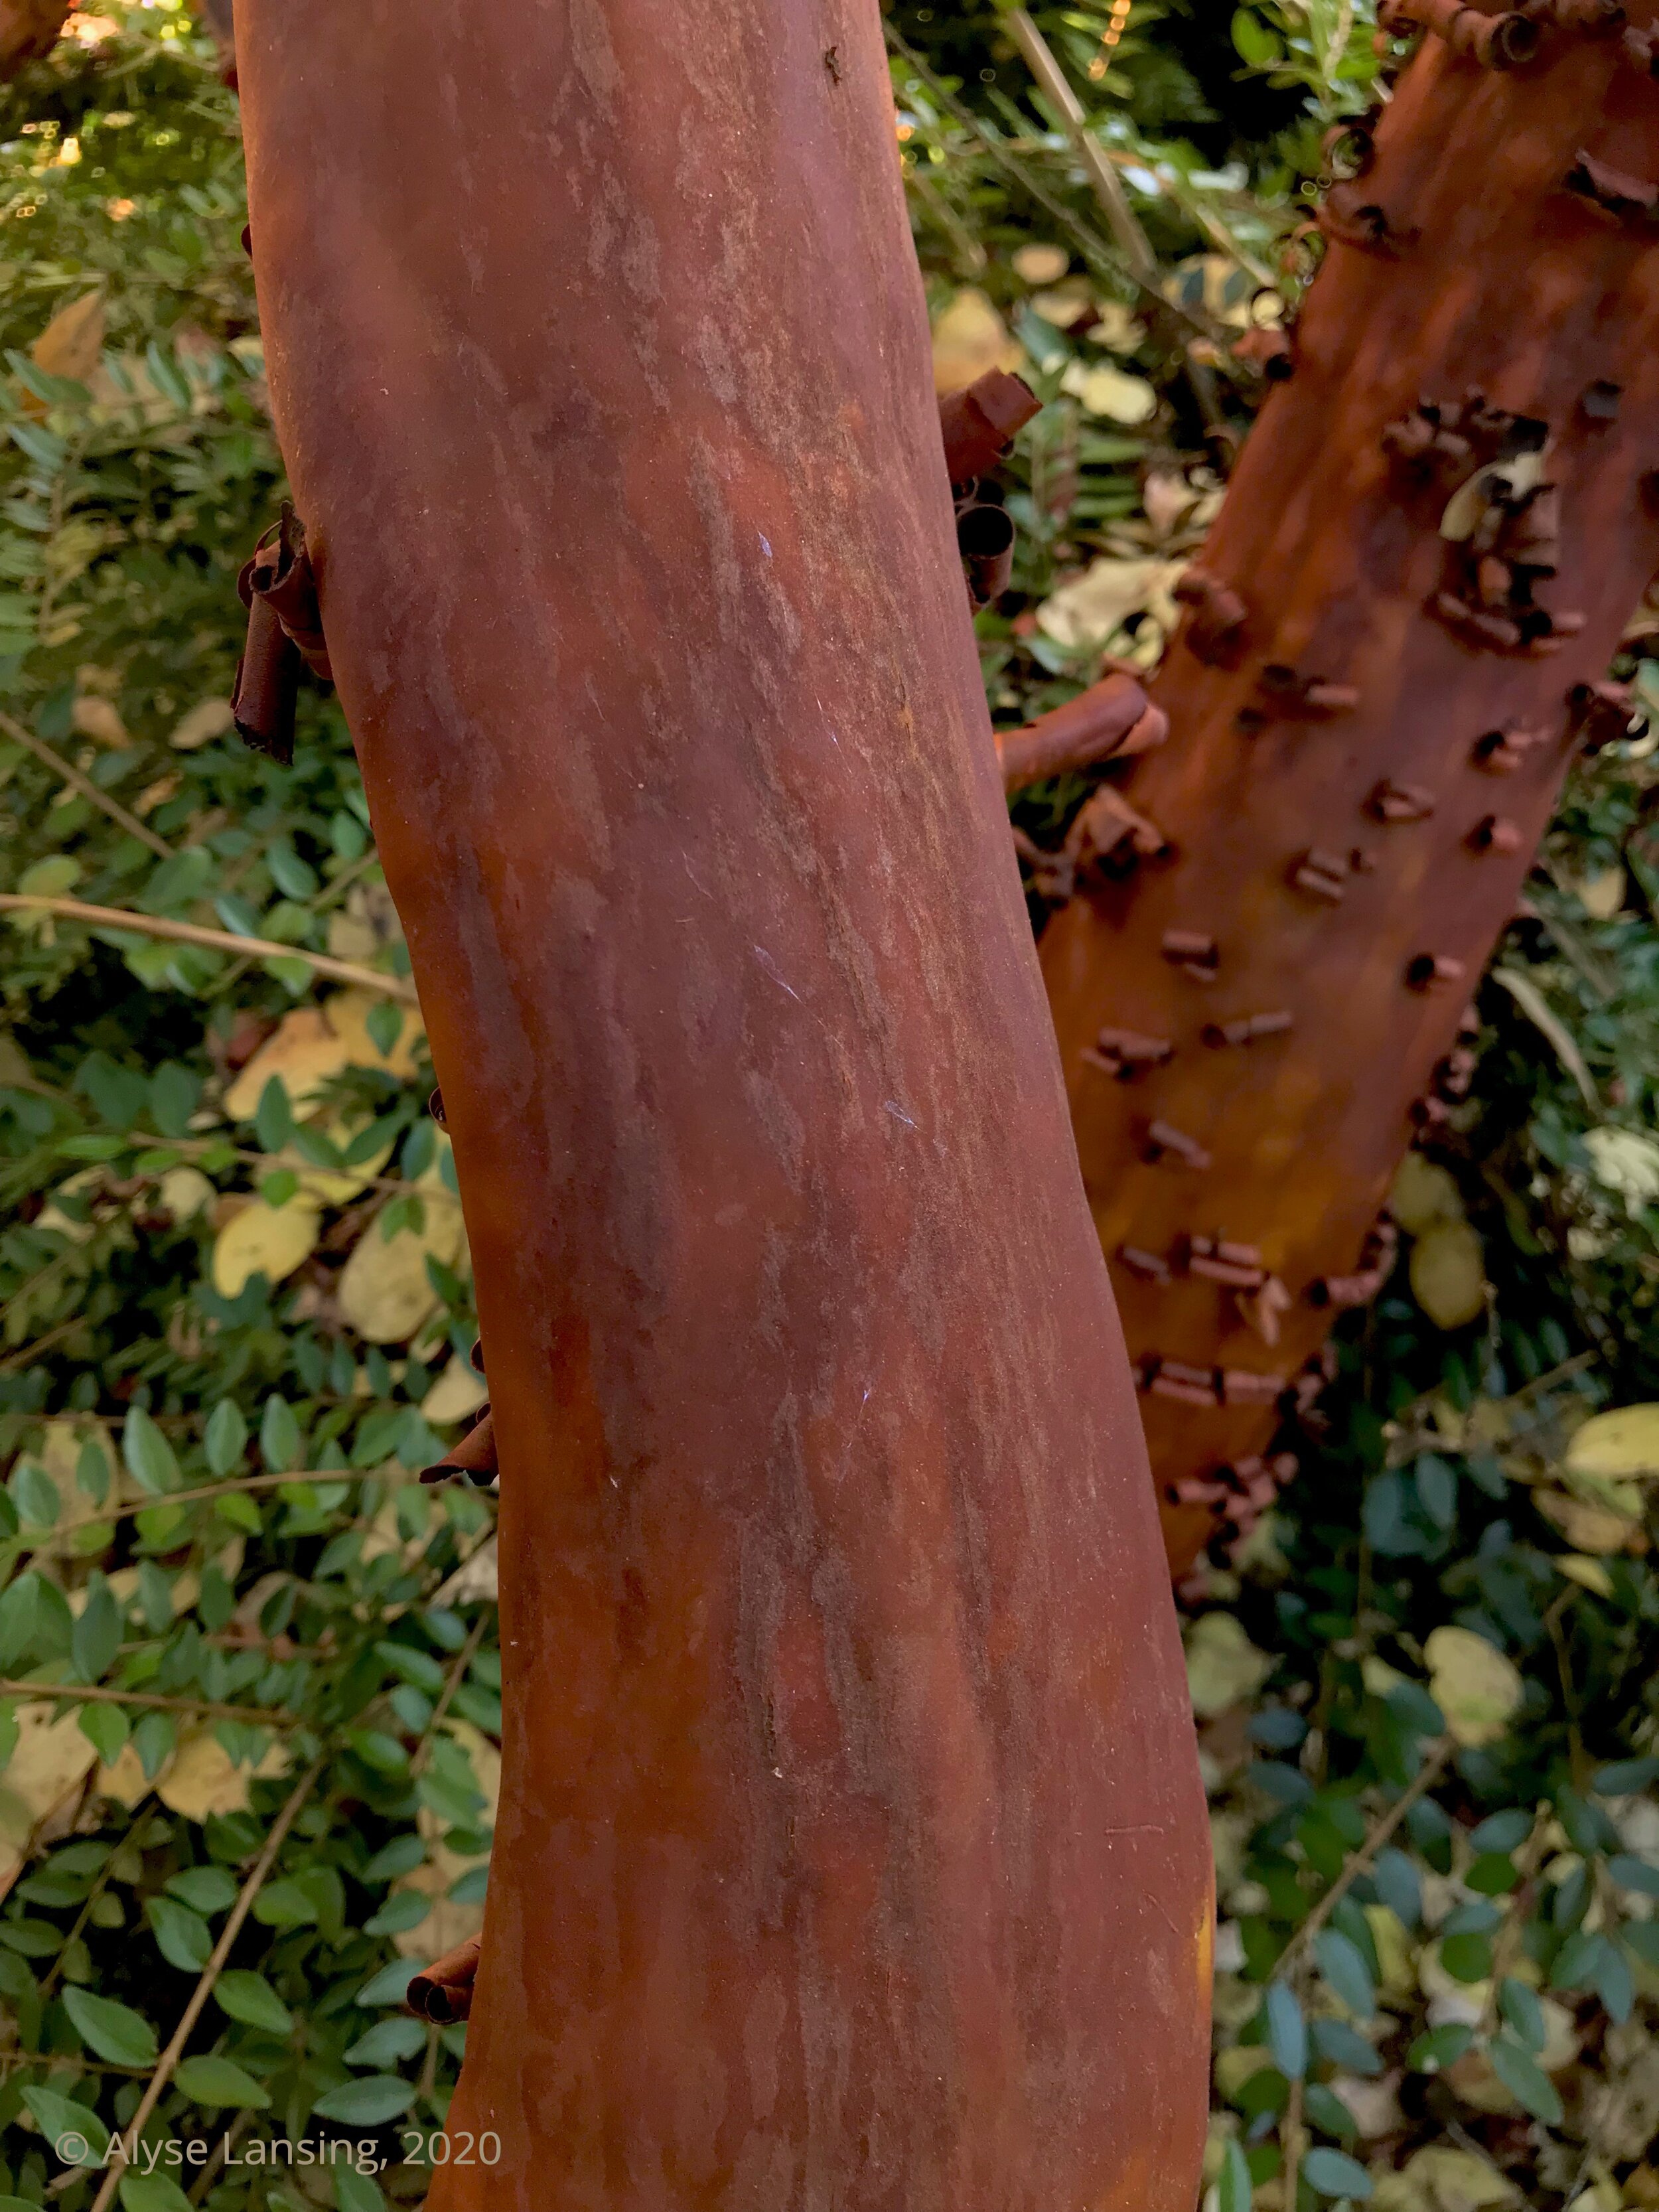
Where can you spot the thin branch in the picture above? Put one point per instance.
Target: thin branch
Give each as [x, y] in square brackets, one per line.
[452, 1682]
[1108, 186]
[26, 1352]
[91, 1693]
[215, 940]
[129, 1506]
[211, 1972]
[67, 773]
[1434, 1765]
[106, 1874]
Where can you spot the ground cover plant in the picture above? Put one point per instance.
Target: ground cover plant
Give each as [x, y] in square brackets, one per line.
[249, 1663]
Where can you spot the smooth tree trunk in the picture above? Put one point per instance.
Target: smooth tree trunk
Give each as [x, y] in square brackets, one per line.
[1397, 627]
[850, 1850]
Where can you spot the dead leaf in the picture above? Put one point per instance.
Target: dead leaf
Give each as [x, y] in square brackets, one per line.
[1475, 1686]
[100, 720]
[49, 1761]
[72, 343]
[457, 1392]
[1625, 1161]
[312, 1045]
[183, 1193]
[1443, 2178]
[384, 1292]
[200, 1780]
[1040, 265]
[1615, 1446]
[477, 1580]
[271, 1241]
[970, 336]
[209, 718]
[1589, 1574]
[1449, 1274]
[1088, 611]
[1111, 391]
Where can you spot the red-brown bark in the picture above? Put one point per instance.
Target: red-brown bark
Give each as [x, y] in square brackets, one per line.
[850, 1851]
[1370, 722]
[28, 29]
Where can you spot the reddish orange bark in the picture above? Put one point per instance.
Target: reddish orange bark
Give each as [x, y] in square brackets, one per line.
[851, 1851]
[1370, 723]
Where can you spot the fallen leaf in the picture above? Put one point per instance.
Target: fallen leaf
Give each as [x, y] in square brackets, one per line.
[476, 1580]
[72, 343]
[125, 1780]
[1449, 1274]
[457, 1392]
[1589, 1527]
[1615, 1445]
[384, 1292]
[1040, 265]
[1625, 1161]
[1065, 304]
[271, 1241]
[1087, 611]
[183, 1193]
[1222, 1665]
[1443, 2178]
[100, 720]
[1111, 391]
[209, 718]
[1422, 1193]
[199, 1779]
[312, 1045]
[970, 336]
[49, 1762]
[1475, 1686]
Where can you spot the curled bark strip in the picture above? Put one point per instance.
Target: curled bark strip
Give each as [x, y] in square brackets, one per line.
[985, 541]
[1504, 41]
[474, 1456]
[1336, 516]
[979, 423]
[442, 1992]
[835, 1628]
[1111, 717]
[284, 631]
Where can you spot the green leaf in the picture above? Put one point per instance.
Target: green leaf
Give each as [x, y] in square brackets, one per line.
[1522, 2009]
[249, 1997]
[35, 1494]
[353, 2191]
[1626, 1777]
[109, 2030]
[1467, 1957]
[389, 1987]
[1525, 2080]
[1287, 2032]
[388, 2042]
[1253, 42]
[1440, 2048]
[212, 2080]
[1345, 1971]
[273, 1118]
[97, 1636]
[61, 2120]
[279, 1436]
[204, 1888]
[148, 1456]
[226, 1437]
[181, 1935]
[1333, 2173]
[1234, 2192]
[1632, 1873]
[368, 2103]
[152, 2192]
[285, 1905]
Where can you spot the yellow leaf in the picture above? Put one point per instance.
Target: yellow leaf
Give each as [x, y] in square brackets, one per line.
[209, 719]
[1618, 1444]
[1590, 1527]
[271, 1241]
[1449, 1274]
[384, 1292]
[73, 341]
[1443, 2178]
[1475, 1686]
[1589, 1574]
[970, 336]
[1085, 611]
[100, 720]
[200, 1780]
[184, 1193]
[49, 1763]
[1393, 1947]
[1625, 1161]
[1602, 895]
[125, 1780]
[1222, 1665]
[457, 1392]
[1423, 1193]
[1111, 391]
[334, 1186]
[1040, 265]
[313, 1045]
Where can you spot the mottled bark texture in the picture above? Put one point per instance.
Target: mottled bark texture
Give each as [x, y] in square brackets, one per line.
[1371, 720]
[850, 1850]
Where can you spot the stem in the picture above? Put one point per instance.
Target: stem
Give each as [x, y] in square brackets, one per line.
[91, 1693]
[211, 1972]
[131, 1505]
[1108, 186]
[1428, 1774]
[67, 773]
[104, 1872]
[1289, 2136]
[215, 940]
[463, 1660]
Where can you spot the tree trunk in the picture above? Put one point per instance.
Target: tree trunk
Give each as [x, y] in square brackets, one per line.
[1371, 715]
[28, 29]
[850, 1849]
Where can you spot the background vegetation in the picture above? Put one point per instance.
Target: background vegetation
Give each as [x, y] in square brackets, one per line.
[248, 1670]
